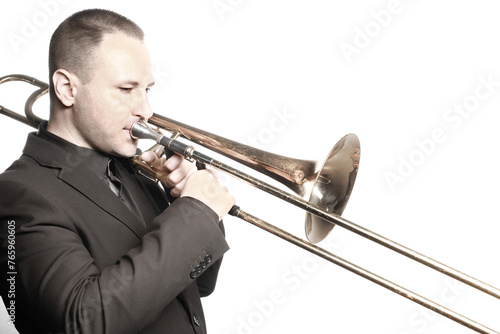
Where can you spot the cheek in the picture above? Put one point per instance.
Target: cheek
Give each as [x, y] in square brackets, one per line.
[107, 111]
[117, 113]
[118, 110]
[114, 115]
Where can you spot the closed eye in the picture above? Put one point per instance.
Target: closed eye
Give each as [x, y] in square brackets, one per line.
[126, 89]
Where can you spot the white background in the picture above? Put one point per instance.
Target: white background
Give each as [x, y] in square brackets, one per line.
[231, 66]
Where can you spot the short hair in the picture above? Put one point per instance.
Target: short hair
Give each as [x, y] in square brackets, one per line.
[73, 43]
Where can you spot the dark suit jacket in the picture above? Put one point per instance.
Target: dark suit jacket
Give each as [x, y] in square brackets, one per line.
[85, 264]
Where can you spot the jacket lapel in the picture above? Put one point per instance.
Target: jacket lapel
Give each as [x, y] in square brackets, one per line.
[74, 172]
[100, 194]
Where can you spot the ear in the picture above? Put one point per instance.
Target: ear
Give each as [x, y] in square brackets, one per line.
[65, 84]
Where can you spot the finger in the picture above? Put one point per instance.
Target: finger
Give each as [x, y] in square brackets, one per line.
[214, 172]
[174, 177]
[177, 189]
[153, 160]
[173, 162]
[149, 157]
[179, 179]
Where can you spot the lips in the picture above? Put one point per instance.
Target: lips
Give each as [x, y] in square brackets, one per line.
[129, 136]
[128, 126]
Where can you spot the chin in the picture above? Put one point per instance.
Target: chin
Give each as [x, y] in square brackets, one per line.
[128, 153]
[126, 150]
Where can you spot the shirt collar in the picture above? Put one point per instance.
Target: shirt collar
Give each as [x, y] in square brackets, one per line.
[92, 159]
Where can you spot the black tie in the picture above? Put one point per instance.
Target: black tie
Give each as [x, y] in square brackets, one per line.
[112, 176]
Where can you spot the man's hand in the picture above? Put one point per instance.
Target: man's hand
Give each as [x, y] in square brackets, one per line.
[184, 179]
[177, 168]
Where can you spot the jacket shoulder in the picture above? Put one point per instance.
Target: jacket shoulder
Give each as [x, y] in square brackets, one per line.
[26, 169]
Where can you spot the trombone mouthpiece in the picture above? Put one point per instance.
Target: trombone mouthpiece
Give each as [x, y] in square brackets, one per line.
[140, 130]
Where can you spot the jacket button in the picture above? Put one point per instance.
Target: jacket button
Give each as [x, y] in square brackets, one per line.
[196, 320]
[193, 274]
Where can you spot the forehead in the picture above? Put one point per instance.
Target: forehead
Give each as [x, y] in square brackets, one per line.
[121, 56]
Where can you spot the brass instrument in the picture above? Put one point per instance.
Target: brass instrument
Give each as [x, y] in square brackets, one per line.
[322, 190]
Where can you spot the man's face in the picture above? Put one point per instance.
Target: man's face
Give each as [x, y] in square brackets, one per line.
[116, 96]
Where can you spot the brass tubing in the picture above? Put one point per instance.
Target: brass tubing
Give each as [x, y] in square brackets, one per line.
[30, 118]
[464, 321]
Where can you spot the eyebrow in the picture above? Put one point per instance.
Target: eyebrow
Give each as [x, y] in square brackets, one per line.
[134, 83]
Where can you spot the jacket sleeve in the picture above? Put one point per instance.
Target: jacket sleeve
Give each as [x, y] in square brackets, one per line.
[57, 273]
[207, 281]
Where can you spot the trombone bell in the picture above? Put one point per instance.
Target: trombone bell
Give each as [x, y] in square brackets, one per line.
[333, 186]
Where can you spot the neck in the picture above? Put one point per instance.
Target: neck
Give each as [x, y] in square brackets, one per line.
[63, 127]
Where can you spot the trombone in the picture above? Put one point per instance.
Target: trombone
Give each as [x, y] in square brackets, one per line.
[322, 190]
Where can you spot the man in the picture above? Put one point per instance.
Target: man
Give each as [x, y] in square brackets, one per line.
[87, 245]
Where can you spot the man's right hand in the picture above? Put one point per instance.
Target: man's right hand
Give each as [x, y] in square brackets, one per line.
[204, 186]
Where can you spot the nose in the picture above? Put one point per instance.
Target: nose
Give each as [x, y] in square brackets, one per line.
[143, 108]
